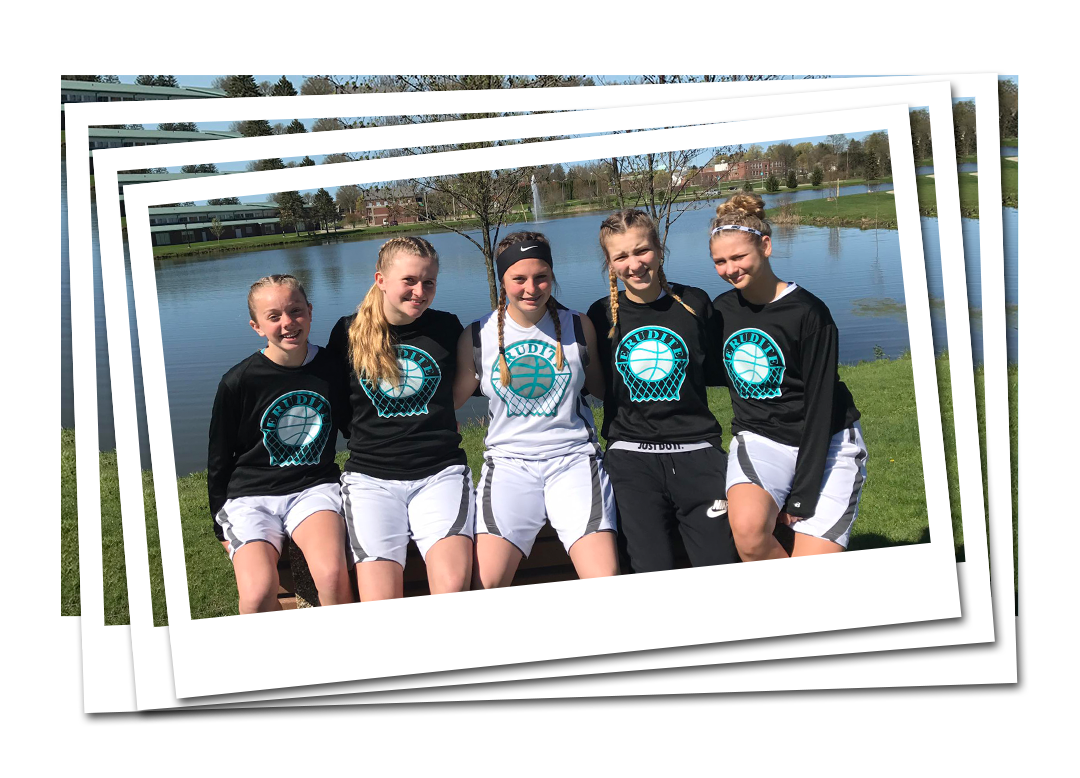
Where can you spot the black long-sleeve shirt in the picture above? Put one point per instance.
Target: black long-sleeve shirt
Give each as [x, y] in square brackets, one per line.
[273, 428]
[656, 368]
[781, 362]
[409, 431]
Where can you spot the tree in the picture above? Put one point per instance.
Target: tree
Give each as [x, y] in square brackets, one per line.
[216, 227]
[792, 179]
[871, 166]
[317, 85]
[772, 184]
[178, 127]
[328, 124]
[921, 140]
[347, 197]
[224, 201]
[283, 88]
[748, 186]
[166, 81]
[964, 128]
[817, 176]
[307, 161]
[241, 86]
[1008, 108]
[208, 167]
[294, 127]
[324, 209]
[878, 143]
[144, 80]
[266, 164]
[255, 128]
[291, 210]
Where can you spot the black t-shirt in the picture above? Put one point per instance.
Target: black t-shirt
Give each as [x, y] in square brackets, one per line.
[408, 431]
[781, 364]
[656, 368]
[273, 429]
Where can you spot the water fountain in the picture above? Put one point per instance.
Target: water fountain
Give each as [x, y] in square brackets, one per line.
[538, 208]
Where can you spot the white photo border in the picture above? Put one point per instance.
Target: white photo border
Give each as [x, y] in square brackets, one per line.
[627, 613]
[988, 669]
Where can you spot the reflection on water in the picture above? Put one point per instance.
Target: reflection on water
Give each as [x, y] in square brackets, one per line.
[204, 318]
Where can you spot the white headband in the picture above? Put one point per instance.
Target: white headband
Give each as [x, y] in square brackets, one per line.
[736, 227]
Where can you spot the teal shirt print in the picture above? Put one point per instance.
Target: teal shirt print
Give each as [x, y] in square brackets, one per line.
[652, 362]
[418, 378]
[755, 364]
[295, 428]
[537, 386]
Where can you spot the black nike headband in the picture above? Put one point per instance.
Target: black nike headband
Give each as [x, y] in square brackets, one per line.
[525, 250]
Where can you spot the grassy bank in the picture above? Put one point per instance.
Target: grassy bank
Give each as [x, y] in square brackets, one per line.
[870, 210]
[892, 513]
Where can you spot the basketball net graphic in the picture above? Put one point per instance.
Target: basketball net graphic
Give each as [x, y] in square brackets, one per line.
[748, 366]
[650, 368]
[536, 389]
[297, 435]
[409, 397]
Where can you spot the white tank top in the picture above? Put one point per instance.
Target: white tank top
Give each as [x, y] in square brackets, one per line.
[542, 413]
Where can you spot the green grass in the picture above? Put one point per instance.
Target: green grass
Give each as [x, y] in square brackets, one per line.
[892, 512]
[1010, 142]
[872, 209]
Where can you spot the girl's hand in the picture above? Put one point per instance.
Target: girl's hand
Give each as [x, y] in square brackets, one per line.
[787, 518]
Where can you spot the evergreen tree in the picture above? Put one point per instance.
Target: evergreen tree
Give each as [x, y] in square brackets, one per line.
[817, 176]
[792, 179]
[283, 88]
[307, 162]
[294, 127]
[772, 184]
[241, 86]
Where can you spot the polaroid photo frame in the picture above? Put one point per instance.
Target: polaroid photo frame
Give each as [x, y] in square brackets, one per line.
[835, 84]
[877, 80]
[584, 617]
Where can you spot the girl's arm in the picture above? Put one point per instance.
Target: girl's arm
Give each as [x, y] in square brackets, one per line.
[466, 380]
[221, 454]
[819, 354]
[594, 371]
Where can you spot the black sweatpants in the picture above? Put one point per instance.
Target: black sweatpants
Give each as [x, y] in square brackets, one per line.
[657, 493]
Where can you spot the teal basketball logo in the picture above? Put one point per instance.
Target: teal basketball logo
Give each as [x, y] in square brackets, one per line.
[418, 378]
[537, 386]
[652, 362]
[295, 428]
[755, 364]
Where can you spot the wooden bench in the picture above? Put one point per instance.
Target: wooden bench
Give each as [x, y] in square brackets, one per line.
[548, 562]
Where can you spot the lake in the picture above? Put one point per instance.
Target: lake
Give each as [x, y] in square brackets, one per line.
[204, 317]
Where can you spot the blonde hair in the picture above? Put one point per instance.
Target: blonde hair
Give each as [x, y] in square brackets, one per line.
[744, 210]
[371, 345]
[619, 223]
[278, 279]
[552, 308]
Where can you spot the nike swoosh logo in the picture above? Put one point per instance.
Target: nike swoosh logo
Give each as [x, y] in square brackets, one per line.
[718, 509]
[526, 248]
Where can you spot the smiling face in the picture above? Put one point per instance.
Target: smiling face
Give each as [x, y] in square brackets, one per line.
[283, 317]
[528, 285]
[635, 260]
[740, 259]
[408, 286]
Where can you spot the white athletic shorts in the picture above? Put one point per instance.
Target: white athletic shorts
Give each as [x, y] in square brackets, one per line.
[382, 514]
[758, 460]
[248, 519]
[516, 495]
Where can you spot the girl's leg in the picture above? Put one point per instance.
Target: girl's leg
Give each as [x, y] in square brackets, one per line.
[808, 545]
[646, 515]
[449, 564]
[495, 561]
[380, 579]
[255, 565]
[321, 536]
[752, 515]
[594, 555]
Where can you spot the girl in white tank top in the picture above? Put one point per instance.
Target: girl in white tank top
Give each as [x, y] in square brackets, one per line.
[531, 359]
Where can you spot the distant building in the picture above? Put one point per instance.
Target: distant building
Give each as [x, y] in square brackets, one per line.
[119, 139]
[94, 92]
[191, 224]
[381, 212]
[757, 169]
[126, 179]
